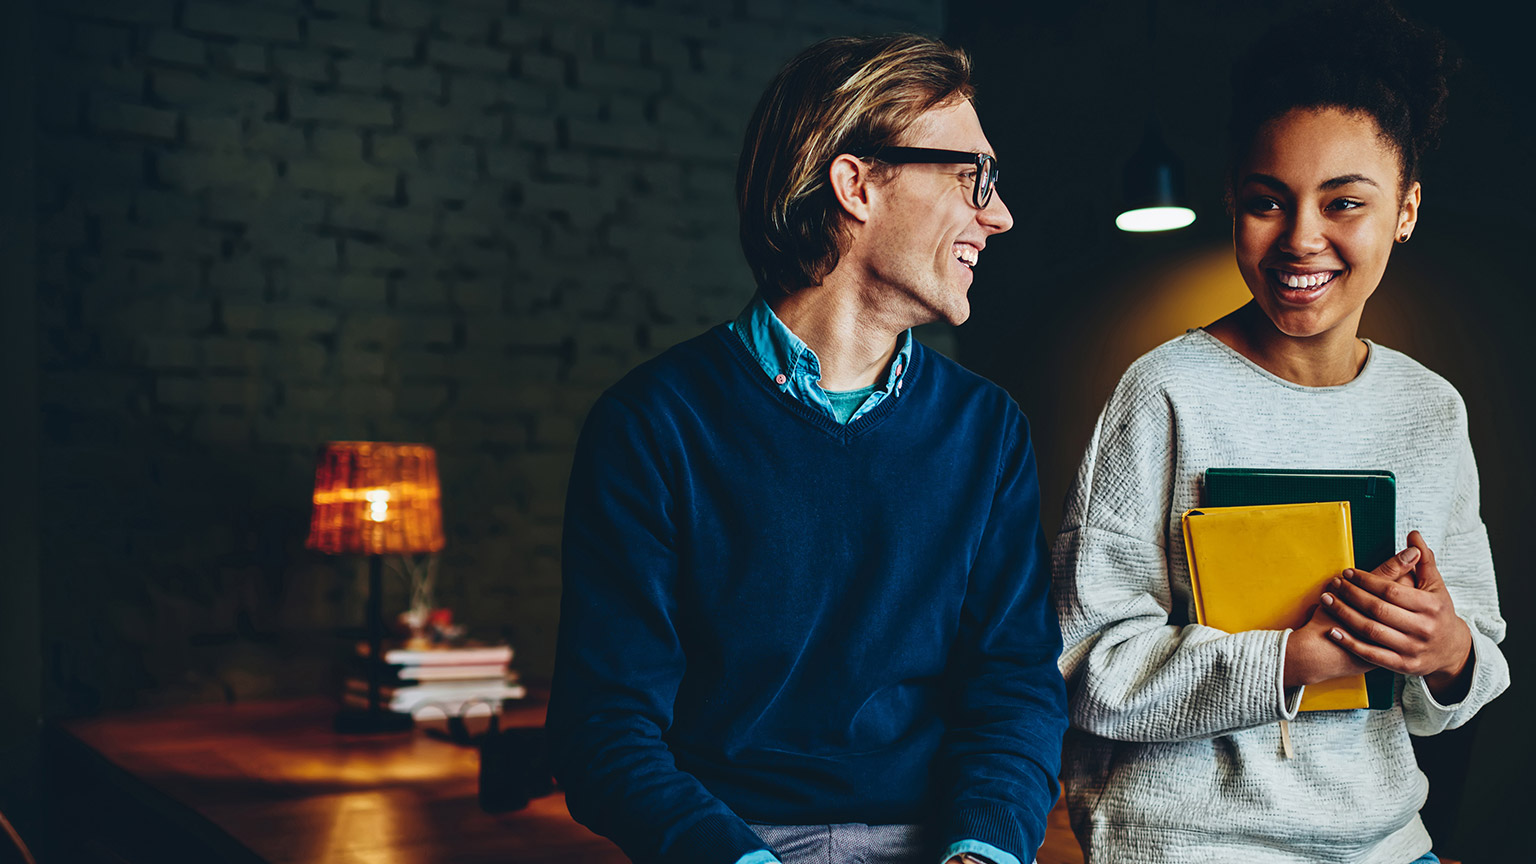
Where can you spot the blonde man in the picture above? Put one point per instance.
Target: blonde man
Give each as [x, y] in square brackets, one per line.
[806, 608]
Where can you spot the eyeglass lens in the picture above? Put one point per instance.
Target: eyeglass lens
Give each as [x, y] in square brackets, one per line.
[986, 177]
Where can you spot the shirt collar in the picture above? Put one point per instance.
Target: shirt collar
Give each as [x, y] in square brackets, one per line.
[781, 353]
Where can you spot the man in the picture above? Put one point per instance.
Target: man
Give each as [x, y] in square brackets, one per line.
[805, 609]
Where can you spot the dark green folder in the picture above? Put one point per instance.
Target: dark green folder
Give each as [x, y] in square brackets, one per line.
[1372, 497]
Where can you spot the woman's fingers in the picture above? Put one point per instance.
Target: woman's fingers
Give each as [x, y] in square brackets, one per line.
[1404, 616]
[1427, 573]
[1405, 625]
[1400, 566]
[1373, 654]
[1389, 591]
[1369, 628]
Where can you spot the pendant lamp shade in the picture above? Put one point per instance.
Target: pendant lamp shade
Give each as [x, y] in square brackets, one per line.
[1153, 185]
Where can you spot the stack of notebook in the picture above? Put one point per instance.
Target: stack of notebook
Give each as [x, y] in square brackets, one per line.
[457, 680]
[1267, 542]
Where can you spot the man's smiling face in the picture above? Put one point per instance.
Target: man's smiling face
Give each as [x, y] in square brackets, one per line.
[924, 234]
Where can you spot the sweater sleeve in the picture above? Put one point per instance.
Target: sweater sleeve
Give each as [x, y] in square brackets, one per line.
[1002, 748]
[1134, 675]
[1466, 564]
[619, 660]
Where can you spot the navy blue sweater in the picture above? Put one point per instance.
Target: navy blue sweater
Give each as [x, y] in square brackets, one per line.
[771, 617]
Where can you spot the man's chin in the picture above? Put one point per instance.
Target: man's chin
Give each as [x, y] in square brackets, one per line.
[958, 315]
[952, 318]
[941, 306]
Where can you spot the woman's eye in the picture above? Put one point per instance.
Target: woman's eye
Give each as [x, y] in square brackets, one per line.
[1346, 204]
[1261, 205]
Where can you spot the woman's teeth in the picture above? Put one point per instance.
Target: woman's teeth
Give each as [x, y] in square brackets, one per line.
[1307, 280]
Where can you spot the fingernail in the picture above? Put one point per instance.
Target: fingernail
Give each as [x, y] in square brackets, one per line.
[1409, 555]
[1327, 599]
[1335, 582]
[1336, 634]
[1348, 574]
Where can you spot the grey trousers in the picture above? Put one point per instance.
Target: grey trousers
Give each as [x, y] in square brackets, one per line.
[852, 843]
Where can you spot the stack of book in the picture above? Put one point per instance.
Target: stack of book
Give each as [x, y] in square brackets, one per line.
[451, 680]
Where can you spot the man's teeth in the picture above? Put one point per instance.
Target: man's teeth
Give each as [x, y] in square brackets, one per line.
[966, 255]
[1310, 280]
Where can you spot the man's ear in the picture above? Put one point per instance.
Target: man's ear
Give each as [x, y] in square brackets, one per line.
[850, 180]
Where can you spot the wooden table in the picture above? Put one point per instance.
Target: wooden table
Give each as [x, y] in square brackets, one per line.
[271, 782]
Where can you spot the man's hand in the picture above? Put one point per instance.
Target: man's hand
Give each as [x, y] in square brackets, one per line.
[1407, 627]
[1312, 655]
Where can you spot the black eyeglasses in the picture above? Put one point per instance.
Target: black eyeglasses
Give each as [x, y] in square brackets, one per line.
[986, 166]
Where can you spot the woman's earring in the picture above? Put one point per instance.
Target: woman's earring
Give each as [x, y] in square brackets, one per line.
[1403, 237]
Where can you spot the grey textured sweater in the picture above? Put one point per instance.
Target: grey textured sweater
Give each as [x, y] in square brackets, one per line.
[1175, 752]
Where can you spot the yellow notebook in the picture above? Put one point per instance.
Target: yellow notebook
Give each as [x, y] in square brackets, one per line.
[1263, 567]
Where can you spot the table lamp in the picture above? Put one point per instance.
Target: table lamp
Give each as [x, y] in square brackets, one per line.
[375, 499]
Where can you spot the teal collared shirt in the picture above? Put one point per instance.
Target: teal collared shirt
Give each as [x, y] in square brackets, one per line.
[796, 370]
[794, 367]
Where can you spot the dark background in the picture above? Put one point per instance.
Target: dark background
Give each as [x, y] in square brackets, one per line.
[231, 231]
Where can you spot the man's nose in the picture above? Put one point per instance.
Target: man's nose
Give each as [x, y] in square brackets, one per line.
[995, 217]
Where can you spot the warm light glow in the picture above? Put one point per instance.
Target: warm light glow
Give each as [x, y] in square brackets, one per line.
[376, 498]
[1154, 219]
[1147, 303]
[374, 827]
[378, 504]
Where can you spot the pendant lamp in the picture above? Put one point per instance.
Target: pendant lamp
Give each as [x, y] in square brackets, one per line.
[1153, 182]
[1153, 185]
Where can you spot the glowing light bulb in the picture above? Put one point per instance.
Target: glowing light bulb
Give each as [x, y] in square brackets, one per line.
[378, 504]
[1147, 219]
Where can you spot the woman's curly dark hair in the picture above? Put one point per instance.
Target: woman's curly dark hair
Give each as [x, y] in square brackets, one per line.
[1357, 55]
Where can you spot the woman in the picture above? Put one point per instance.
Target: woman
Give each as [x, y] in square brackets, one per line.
[1176, 752]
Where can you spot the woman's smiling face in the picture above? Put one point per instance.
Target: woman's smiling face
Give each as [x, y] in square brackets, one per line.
[1317, 208]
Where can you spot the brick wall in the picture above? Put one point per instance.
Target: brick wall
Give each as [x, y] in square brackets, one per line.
[269, 224]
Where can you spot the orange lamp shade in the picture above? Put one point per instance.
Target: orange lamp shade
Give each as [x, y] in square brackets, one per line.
[374, 498]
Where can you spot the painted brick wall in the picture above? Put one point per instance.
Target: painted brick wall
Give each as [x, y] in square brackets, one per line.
[268, 224]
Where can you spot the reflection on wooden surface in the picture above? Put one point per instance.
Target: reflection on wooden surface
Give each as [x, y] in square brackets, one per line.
[271, 781]
[277, 780]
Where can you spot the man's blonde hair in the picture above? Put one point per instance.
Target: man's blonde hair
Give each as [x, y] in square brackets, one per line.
[844, 95]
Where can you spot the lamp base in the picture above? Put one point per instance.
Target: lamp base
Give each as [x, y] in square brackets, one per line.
[360, 721]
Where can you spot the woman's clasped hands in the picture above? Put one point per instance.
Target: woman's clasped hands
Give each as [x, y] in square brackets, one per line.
[1400, 617]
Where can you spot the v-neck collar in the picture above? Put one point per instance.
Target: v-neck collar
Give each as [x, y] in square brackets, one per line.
[810, 414]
